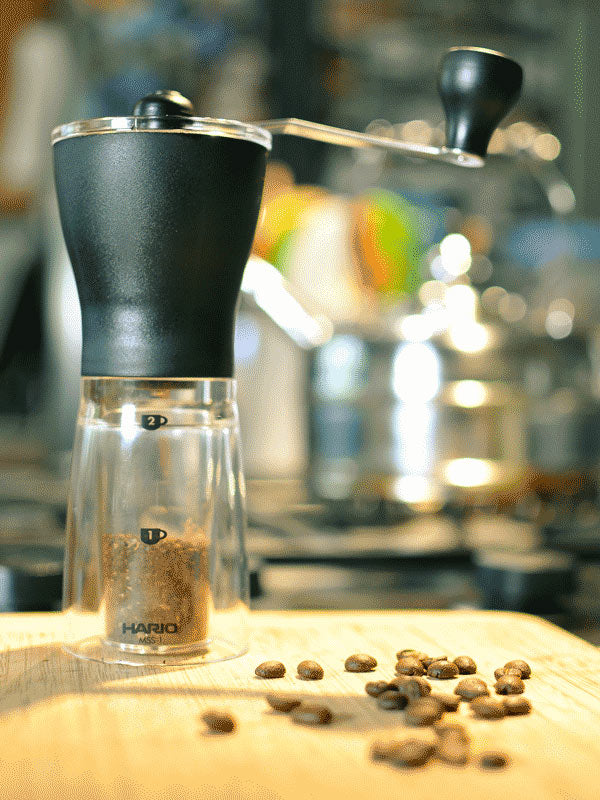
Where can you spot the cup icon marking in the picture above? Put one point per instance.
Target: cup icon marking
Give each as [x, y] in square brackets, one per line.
[152, 535]
[153, 421]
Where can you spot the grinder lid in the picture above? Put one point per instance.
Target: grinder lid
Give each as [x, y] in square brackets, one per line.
[164, 111]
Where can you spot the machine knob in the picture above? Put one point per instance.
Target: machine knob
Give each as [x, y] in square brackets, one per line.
[164, 103]
[478, 88]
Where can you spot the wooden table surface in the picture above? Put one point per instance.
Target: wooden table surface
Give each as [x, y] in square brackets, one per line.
[75, 729]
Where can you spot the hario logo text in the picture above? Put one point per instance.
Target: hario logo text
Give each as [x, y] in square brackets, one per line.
[150, 627]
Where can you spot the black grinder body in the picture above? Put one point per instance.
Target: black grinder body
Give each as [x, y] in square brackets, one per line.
[158, 226]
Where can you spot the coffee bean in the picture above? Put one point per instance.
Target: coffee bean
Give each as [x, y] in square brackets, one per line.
[380, 751]
[282, 703]
[391, 700]
[442, 670]
[516, 704]
[411, 687]
[509, 684]
[466, 665]
[451, 729]
[413, 753]
[400, 680]
[422, 683]
[423, 711]
[469, 688]
[450, 702]
[375, 688]
[360, 662]
[488, 708]
[384, 750]
[409, 665]
[312, 714]
[219, 721]
[522, 665]
[310, 671]
[498, 673]
[493, 759]
[413, 653]
[427, 662]
[270, 669]
[453, 750]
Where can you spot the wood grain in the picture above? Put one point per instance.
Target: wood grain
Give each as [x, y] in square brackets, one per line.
[73, 729]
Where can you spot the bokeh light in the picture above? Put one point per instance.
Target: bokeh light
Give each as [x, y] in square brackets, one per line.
[468, 472]
[455, 252]
[521, 135]
[469, 394]
[491, 297]
[497, 142]
[558, 324]
[461, 302]
[481, 268]
[512, 307]
[468, 336]
[418, 131]
[432, 292]
[546, 146]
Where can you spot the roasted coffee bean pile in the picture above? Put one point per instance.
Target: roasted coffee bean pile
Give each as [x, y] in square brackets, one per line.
[410, 692]
[425, 708]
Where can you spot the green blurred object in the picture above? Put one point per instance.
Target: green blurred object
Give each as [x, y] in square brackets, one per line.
[280, 251]
[391, 247]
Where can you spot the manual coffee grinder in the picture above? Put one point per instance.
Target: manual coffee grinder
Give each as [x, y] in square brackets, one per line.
[158, 212]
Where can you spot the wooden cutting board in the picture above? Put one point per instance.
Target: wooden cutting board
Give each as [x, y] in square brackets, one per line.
[73, 729]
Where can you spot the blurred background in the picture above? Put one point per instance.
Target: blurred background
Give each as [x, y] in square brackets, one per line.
[417, 346]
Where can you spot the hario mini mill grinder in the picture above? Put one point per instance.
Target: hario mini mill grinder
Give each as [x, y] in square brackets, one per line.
[158, 212]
